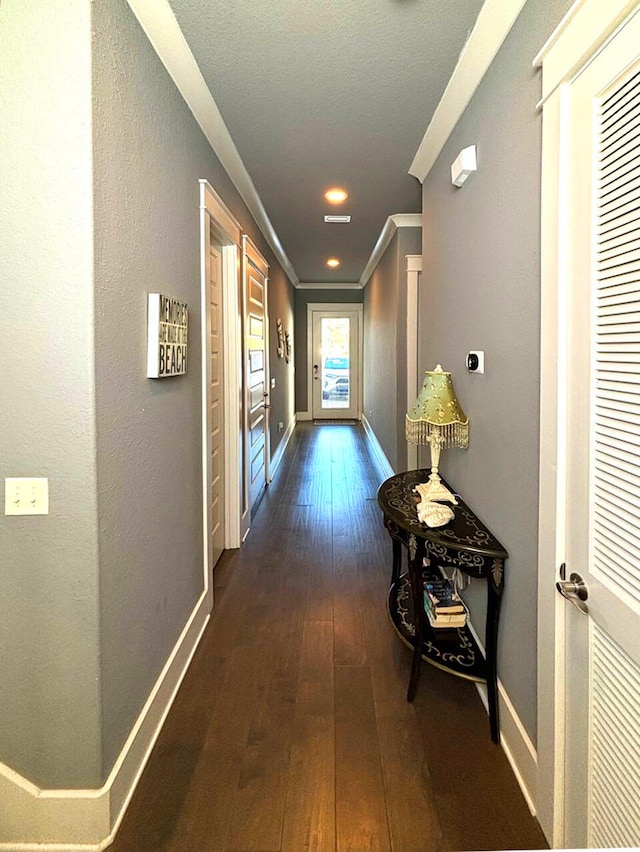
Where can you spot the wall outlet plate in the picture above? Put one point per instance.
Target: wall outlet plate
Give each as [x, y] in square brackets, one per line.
[26, 496]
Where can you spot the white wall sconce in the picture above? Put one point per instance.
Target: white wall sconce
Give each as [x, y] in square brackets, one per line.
[463, 166]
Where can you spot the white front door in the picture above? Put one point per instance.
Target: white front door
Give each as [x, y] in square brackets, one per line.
[602, 685]
[335, 367]
[256, 372]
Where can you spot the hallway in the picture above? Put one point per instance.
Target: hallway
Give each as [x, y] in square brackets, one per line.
[291, 730]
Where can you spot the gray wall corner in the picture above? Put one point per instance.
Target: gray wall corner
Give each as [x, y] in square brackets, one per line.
[481, 255]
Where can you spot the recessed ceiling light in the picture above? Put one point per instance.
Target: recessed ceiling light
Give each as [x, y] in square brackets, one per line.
[337, 219]
[336, 195]
[333, 262]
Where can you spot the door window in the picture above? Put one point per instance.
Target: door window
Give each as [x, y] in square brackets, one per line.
[334, 348]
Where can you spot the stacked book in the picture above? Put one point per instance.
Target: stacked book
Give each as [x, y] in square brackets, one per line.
[444, 607]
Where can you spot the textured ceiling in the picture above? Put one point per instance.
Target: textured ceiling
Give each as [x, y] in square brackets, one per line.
[317, 93]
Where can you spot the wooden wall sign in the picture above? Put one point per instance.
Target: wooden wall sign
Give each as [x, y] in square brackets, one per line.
[168, 326]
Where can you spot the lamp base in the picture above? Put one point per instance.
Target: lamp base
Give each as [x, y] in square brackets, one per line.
[434, 490]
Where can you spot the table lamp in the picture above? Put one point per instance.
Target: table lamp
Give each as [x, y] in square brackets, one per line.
[437, 419]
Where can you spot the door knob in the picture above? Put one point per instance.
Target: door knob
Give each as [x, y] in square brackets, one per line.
[574, 590]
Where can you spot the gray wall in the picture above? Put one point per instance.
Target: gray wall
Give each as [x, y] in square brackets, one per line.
[49, 710]
[149, 154]
[98, 150]
[481, 290]
[281, 301]
[385, 346]
[302, 299]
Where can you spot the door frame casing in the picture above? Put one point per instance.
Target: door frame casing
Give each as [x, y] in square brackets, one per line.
[216, 218]
[414, 277]
[583, 32]
[322, 307]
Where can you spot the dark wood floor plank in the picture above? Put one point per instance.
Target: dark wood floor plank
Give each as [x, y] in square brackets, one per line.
[258, 806]
[310, 807]
[215, 776]
[414, 822]
[319, 596]
[349, 634]
[361, 815]
[291, 730]
[465, 766]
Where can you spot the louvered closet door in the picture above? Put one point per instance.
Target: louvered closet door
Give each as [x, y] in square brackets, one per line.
[603, 458]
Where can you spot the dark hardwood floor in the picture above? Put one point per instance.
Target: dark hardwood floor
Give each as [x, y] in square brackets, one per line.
[291, 730]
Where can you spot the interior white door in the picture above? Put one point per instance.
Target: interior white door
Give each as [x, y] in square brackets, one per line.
[216, 402]
[335, 367]
[257, 372]
[602, 773]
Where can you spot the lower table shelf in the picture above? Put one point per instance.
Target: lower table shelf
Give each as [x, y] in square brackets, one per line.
[455, 650]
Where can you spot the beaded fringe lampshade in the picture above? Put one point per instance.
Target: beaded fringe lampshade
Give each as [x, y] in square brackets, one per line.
[437, 419]
[437, 405]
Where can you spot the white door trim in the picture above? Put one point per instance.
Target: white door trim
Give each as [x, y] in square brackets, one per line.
[414, 275]
[584, 31]
[215, 216]
[332, 306]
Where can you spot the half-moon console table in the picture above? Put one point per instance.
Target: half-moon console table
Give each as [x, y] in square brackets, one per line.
[464, 543]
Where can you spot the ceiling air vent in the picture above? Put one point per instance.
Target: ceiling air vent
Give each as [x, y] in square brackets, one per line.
[344, 219]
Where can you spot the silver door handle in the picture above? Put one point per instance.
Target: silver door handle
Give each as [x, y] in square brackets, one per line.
[574, 590]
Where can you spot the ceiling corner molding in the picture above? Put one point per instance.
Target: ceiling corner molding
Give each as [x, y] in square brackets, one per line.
[331, 285]
[398, 220]
[491, 28]
[161, 28]
[589, 22]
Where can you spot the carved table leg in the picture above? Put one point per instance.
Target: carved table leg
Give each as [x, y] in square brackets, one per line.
[416, 555]
[494, 599]
[397, 561]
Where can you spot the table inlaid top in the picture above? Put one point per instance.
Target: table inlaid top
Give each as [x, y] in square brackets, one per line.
[464, 532]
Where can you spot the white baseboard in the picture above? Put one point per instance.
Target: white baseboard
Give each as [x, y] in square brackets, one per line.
[282, 446]
[516, 744]
[383, 463]
[303, 415]
[514, 739]
[37, 820]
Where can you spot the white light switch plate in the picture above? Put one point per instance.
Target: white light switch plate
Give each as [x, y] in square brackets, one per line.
[26, 496]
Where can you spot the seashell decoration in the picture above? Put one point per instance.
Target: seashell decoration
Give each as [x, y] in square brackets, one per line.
[434, 514]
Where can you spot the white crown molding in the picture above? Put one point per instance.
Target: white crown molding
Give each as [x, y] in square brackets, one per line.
[491, 28]
[333, 285]
[587, 22]
[398, 220]
[161, 28]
